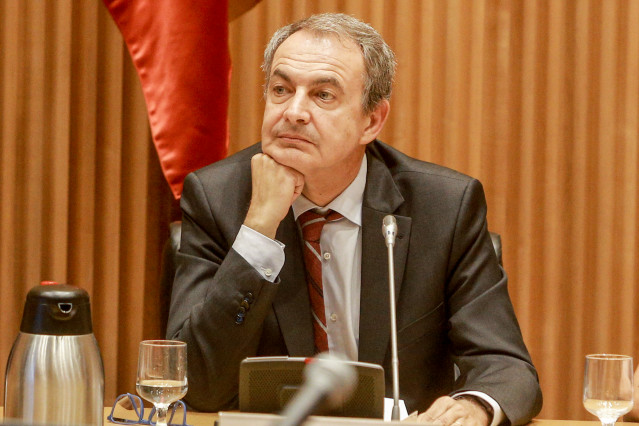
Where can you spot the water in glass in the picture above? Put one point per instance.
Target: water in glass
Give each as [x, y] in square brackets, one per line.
[608, 388]
[162, 374]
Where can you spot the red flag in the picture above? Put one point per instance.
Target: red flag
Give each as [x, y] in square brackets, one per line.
[180, 51]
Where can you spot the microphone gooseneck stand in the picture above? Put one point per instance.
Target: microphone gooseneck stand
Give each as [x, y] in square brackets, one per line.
[389, 230]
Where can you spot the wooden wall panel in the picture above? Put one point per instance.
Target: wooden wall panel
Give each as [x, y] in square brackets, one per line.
[84, 199]
[539, 99]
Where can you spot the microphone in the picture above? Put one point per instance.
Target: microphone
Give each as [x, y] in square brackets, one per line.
[328, 379]
[389, 230]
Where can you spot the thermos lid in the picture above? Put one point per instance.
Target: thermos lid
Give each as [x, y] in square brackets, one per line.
[57, 309]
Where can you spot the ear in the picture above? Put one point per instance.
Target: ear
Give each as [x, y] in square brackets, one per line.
[376, 120]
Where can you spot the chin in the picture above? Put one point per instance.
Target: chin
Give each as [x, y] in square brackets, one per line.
[288, 156]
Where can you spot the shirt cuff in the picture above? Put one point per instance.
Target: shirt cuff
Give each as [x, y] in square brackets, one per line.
[498, 414]
[262, 253]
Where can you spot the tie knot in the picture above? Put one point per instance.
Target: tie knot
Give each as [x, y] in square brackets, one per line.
[312, 223]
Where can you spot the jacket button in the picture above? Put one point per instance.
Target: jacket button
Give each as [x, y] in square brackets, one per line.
[249, 297]
[239, 317]
[245, 304]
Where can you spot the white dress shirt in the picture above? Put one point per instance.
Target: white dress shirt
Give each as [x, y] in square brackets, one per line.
[341, 246]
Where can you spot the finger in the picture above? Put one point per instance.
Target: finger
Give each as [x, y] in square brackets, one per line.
[425, 418]
[265, 165]
[448, 418]
[438, 408]
[299, 184]
[270, 168]
[448, 411]
[473, 412]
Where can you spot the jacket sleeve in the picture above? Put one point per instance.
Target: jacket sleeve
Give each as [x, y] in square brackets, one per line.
[484, 333]
[212, 287]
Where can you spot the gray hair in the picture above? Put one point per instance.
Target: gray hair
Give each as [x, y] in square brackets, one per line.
[379, 59]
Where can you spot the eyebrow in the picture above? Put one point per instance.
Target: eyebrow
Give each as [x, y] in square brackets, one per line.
[318, 82]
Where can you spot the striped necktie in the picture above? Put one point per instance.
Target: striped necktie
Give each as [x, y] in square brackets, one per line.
[311, 224]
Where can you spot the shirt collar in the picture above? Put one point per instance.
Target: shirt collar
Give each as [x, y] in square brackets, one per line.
[348, 203]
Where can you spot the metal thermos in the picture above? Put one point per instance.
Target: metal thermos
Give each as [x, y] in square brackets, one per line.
[55, 373]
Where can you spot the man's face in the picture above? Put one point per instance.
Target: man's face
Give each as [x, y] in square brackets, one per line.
[313, 118]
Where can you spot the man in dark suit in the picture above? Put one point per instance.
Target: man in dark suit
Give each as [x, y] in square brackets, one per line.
[243, 280]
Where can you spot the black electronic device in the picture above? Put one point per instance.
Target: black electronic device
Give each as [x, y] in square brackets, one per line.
[267, 384]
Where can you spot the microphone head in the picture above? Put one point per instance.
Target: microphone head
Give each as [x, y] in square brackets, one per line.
[390, 220]
[333, 373]
[389, 229]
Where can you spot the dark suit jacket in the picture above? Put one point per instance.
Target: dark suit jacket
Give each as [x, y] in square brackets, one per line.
[452, 302]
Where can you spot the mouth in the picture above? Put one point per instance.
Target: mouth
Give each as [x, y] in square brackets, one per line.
[292, 138]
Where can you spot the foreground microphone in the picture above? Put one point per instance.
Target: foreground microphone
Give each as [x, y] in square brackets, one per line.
[328, 379]
[389, 229]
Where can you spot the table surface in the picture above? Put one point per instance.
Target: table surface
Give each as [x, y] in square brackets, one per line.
[207, 419]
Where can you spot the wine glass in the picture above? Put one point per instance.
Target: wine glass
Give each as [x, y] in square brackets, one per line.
[608, 386]
[162, 374]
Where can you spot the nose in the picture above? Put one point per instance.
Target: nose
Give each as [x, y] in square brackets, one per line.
[297, 109]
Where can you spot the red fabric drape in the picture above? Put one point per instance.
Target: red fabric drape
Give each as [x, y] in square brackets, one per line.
[180, 51]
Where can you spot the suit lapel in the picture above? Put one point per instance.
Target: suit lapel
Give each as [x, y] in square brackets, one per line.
[381, 197]
[292, 306]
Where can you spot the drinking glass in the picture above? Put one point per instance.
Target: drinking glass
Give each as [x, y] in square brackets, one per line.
[608, 386]
[162, 374]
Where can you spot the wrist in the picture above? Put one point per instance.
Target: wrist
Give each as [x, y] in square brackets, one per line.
[260, 223]
[263, 228]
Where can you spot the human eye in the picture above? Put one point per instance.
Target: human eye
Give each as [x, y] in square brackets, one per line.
[279, 90]
[325, 95]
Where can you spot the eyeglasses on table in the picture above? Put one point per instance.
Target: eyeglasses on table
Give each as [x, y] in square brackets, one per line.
[136, 416]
